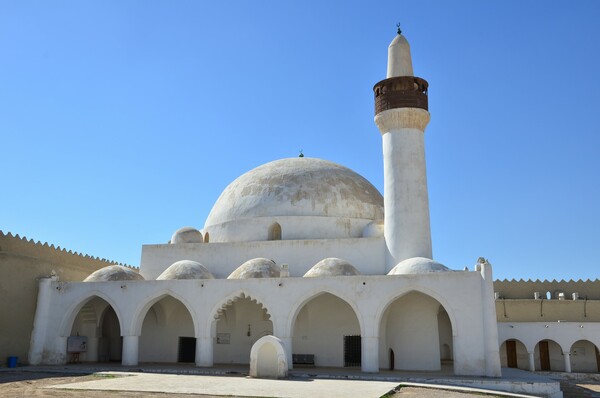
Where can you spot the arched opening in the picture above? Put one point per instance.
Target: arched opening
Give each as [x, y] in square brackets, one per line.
[275, 231]
[548, 356]
[95, 334]
[326, 330]
[239, 325]
[206, 237]
[167, 333]
[513, 354]
[418, 330]
[585, 357]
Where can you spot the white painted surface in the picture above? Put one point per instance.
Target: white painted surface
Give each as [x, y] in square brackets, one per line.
[268, 358]
[399, 58]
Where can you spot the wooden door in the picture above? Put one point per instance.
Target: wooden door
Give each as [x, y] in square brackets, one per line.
[511, 353]
[544, 355]
[597, 358]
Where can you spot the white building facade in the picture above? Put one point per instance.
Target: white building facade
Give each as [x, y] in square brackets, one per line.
[300, 249]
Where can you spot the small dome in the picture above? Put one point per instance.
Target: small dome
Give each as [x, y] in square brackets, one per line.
[256, 268]
[417, 265]
[114, 273]
[185, 269]
[331, 267]
[187, 235]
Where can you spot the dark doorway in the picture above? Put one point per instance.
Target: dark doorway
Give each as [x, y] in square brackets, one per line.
[392, 359]
[597, 358]
[352, 351]
[511, 353]
[187, 349]
[544, 355]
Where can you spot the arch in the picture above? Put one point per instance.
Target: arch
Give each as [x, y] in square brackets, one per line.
[216, 311]
[585, 357]
[295, 310]
[329, 327]
[514, 354]
[548, 356]
[67, 322]
[140, 313]
[419, 289]
[416, 326]
[274, 231]
[206, 237]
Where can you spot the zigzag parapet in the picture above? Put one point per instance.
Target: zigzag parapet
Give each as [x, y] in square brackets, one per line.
[15, 244]
[525, 289]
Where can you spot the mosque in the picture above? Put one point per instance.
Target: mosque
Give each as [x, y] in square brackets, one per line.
[298, 261]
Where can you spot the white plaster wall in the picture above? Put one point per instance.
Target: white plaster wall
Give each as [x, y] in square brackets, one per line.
[221, 259]
[411, 330]
[320, 329]
[165, 322]
[234, 321]
[292, 227]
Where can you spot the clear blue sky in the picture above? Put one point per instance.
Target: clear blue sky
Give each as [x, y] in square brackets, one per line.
[122, 121]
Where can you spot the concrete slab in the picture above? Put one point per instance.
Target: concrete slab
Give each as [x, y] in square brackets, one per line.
[232, 385]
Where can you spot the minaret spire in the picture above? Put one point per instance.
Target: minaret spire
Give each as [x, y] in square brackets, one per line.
[401, 114]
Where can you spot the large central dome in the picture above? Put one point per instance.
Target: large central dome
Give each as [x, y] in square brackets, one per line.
[297, 187]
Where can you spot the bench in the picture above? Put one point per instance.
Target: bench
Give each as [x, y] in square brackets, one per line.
[303, 359]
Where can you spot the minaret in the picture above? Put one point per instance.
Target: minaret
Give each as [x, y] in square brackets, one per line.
[401, 114]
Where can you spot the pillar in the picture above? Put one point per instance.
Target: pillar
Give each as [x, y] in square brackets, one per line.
[369, 354]
[130, 350]
[567, 356]
[531, 361]
[204, 351]
[38, 334]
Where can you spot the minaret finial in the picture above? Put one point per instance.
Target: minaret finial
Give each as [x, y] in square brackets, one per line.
[398, 26]
[301, 154]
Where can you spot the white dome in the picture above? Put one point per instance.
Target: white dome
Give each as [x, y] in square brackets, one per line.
[331, 267]
[185, 269]
[417, 265]
[298, 187]
[186, 235]
[256, 268]
[114, 273]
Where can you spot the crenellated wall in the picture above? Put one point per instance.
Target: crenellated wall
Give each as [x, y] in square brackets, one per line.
[521, 289]
[22, 263]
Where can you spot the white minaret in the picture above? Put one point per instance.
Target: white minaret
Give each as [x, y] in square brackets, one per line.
[401, 114]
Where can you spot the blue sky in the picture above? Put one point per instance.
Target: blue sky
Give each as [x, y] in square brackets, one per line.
[121, 121]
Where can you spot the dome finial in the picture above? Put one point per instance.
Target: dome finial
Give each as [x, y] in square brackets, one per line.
[398, 26]
[301, 154]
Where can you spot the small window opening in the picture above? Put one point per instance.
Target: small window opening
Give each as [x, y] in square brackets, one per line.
[206, 237]
[275, 232]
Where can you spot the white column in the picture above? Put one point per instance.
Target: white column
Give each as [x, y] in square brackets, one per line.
[204, 352]
[490, 324]
[38, 334]
[406, 225]
[130, 350]
[531, 361]
[567, 355]
[369, 354]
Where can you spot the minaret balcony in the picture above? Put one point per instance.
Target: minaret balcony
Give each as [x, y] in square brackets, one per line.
[401, 92]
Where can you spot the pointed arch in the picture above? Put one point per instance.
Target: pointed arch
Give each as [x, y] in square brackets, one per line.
[142, 310]
[221, 306]
[296, 308]
[67, 322]
[419, 289]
